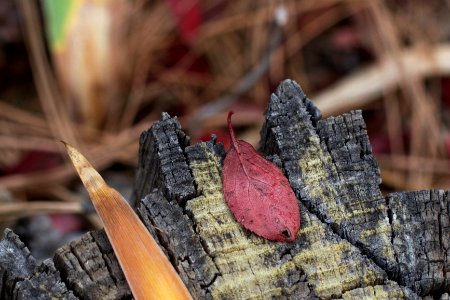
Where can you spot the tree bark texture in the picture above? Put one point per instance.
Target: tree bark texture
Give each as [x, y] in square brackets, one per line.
[354, 243]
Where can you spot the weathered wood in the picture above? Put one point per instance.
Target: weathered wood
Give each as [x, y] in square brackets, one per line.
[250, 265]
[333, 171]
[45, 283]
[90, 269]
[22, 278]
[420, 238]
[179, 241]
[390, 290]
[162, 163]
[353, 243]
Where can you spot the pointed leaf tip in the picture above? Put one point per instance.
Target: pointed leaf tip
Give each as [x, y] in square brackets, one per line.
[149, 273]
[89, 176]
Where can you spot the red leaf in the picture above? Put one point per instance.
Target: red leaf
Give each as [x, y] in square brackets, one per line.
[258, 194]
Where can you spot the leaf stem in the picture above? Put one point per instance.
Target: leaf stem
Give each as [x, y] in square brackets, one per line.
[232, 135]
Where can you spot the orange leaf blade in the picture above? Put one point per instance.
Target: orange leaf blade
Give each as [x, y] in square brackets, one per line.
[149, 273]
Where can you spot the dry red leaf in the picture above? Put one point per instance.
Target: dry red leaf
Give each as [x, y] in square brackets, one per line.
[258, 194]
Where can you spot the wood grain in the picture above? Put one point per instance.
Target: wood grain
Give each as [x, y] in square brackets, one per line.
[355, 243]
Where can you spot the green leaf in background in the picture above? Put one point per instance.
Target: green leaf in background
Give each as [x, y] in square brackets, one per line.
[58, 15]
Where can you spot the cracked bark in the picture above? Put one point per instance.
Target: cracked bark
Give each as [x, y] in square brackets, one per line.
[22, 278]
[354, 243]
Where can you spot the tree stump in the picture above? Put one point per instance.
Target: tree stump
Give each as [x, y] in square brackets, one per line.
[353, 243]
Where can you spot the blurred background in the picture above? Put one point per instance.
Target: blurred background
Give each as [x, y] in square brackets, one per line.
[96, 73]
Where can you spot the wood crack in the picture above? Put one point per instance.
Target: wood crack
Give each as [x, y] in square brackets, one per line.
[351, 238]
[333, 172]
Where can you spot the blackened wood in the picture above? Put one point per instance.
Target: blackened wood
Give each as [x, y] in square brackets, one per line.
[17, 263]
[332, 170]
[45, 283]
[390, 290]
[22, 278]
[90, 269]
[162, 163]
[318, 264]
[247, 265]
[420, 238]
[175, 232]
[353, 243]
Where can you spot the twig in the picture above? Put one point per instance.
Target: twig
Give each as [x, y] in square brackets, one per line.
[362, 87]
[414, 163]
[242, 86]
[48, 95]
[263, 15]
[62, 193]
[29, 143]
[424, 126]
[147, 33]
[12, 113]
[102, 155]
[11, 211]
[318, 25]
[394, 123]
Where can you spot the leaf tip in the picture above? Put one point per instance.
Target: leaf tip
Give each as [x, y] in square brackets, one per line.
[289, 235]
[85, 170]
[78, 160]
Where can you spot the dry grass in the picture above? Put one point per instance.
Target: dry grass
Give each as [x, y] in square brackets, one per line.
[246, 54]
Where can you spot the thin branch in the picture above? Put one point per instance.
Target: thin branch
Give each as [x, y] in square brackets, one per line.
[102, 156]
[368, 84]
[12, 113]
[45, 84]
[16, 210]
[242, 86]
[29, 143]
